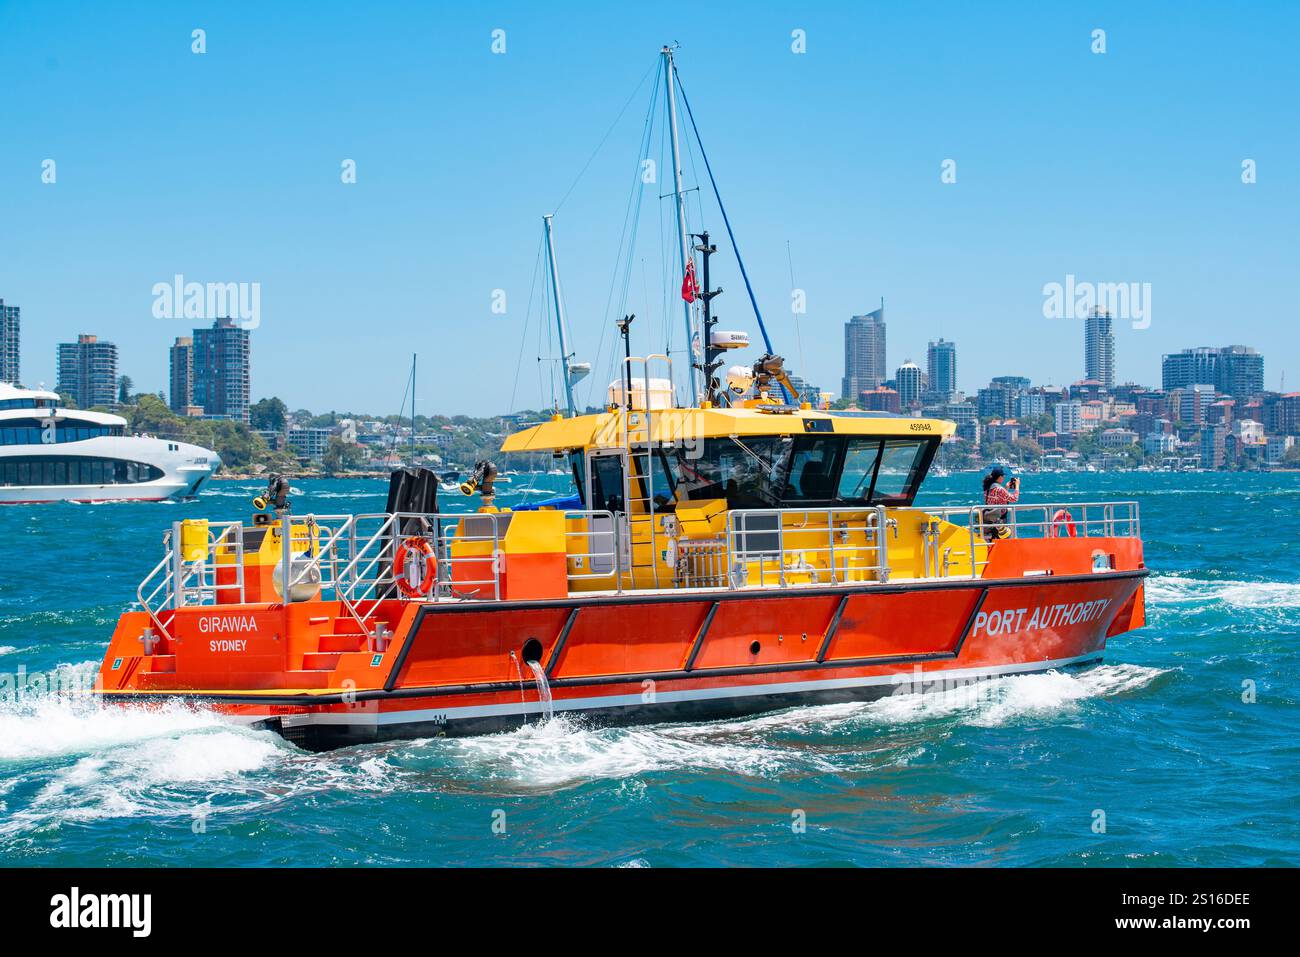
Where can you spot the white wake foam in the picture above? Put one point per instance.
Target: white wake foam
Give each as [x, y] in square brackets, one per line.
[563, 752]
[1178, 590]
[60, 725]
[1008, 699]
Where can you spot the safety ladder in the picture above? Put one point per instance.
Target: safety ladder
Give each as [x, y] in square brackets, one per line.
[642, 538]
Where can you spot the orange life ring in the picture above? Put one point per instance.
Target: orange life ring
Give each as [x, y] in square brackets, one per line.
[1062, 517]
[422, 546]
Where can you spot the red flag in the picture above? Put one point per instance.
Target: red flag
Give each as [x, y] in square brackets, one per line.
[690, 288]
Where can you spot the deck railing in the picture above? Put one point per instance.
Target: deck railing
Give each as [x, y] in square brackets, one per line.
[783, 546]
[350, 557]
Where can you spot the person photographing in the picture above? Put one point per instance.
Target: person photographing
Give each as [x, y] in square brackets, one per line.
[996, 494]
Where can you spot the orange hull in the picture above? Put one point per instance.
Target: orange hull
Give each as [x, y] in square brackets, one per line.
[460, 667]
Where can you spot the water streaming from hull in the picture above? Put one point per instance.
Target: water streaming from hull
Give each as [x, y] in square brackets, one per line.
[543, 691]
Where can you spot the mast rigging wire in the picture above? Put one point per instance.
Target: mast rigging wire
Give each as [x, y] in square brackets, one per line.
[523, 335]
[590, 159]
[744, 274]
[627, 239]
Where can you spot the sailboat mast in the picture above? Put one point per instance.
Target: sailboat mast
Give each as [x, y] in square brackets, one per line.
[559, 314]
[682, 240]
[413, 357]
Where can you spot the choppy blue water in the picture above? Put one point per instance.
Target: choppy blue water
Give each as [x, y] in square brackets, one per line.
[1158, 738]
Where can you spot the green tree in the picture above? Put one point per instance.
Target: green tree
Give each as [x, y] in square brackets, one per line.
[341, 456]
[1028, 449]
[150, 414]
[268, 415]
[124, 386]
[1088, 444]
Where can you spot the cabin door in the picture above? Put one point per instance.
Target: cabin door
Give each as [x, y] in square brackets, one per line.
[607, 492]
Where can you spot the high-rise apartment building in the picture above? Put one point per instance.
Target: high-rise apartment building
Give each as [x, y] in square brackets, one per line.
[221, 370]
[1068, 416]
[910, 384]
[1237, 371]
[87, 371]
[864, 353]
[941, 362]
[181, 395]
[1099, 348]
[10, 327]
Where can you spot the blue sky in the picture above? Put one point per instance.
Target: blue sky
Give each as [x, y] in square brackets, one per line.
[225, 167]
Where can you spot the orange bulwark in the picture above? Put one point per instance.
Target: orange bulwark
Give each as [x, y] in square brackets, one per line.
[668, 595]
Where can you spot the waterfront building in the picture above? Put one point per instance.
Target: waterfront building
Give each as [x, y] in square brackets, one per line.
[864, 352]
[221, 370]
[10, 336]
[910, 384]
[1099, 348]
[1213, 446]
[941, 366]
[1220, 412]
[959, 412]
[87, 371]
[181, 395]
[1188, 405]
[1282, 414]
[1031, 404]
[309, 443]
[1118, 438]
[880, 400]
[1276, 447]
[1068, 416]
[1237, 371]
[1159, 443]
[274, 440]
[1007, 431]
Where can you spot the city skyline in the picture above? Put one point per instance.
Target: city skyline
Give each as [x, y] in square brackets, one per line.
[408, 257]
[1210, 410]
[225, 367]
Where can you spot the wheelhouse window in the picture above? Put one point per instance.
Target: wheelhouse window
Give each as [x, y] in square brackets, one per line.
[748, 472]
[900, 462]
[812, 470]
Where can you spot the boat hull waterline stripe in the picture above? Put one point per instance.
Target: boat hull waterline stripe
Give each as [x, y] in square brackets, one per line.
[902, 681]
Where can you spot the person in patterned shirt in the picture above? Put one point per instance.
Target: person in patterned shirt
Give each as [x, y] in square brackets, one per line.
[995, 493]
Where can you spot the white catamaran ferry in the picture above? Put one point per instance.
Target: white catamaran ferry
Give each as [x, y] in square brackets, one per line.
[53, 454]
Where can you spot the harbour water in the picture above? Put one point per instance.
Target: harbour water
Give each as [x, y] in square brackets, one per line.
[1180, 749]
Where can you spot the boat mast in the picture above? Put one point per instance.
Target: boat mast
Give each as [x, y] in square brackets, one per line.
[413, 356]
[559, 315]
[670, 93]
